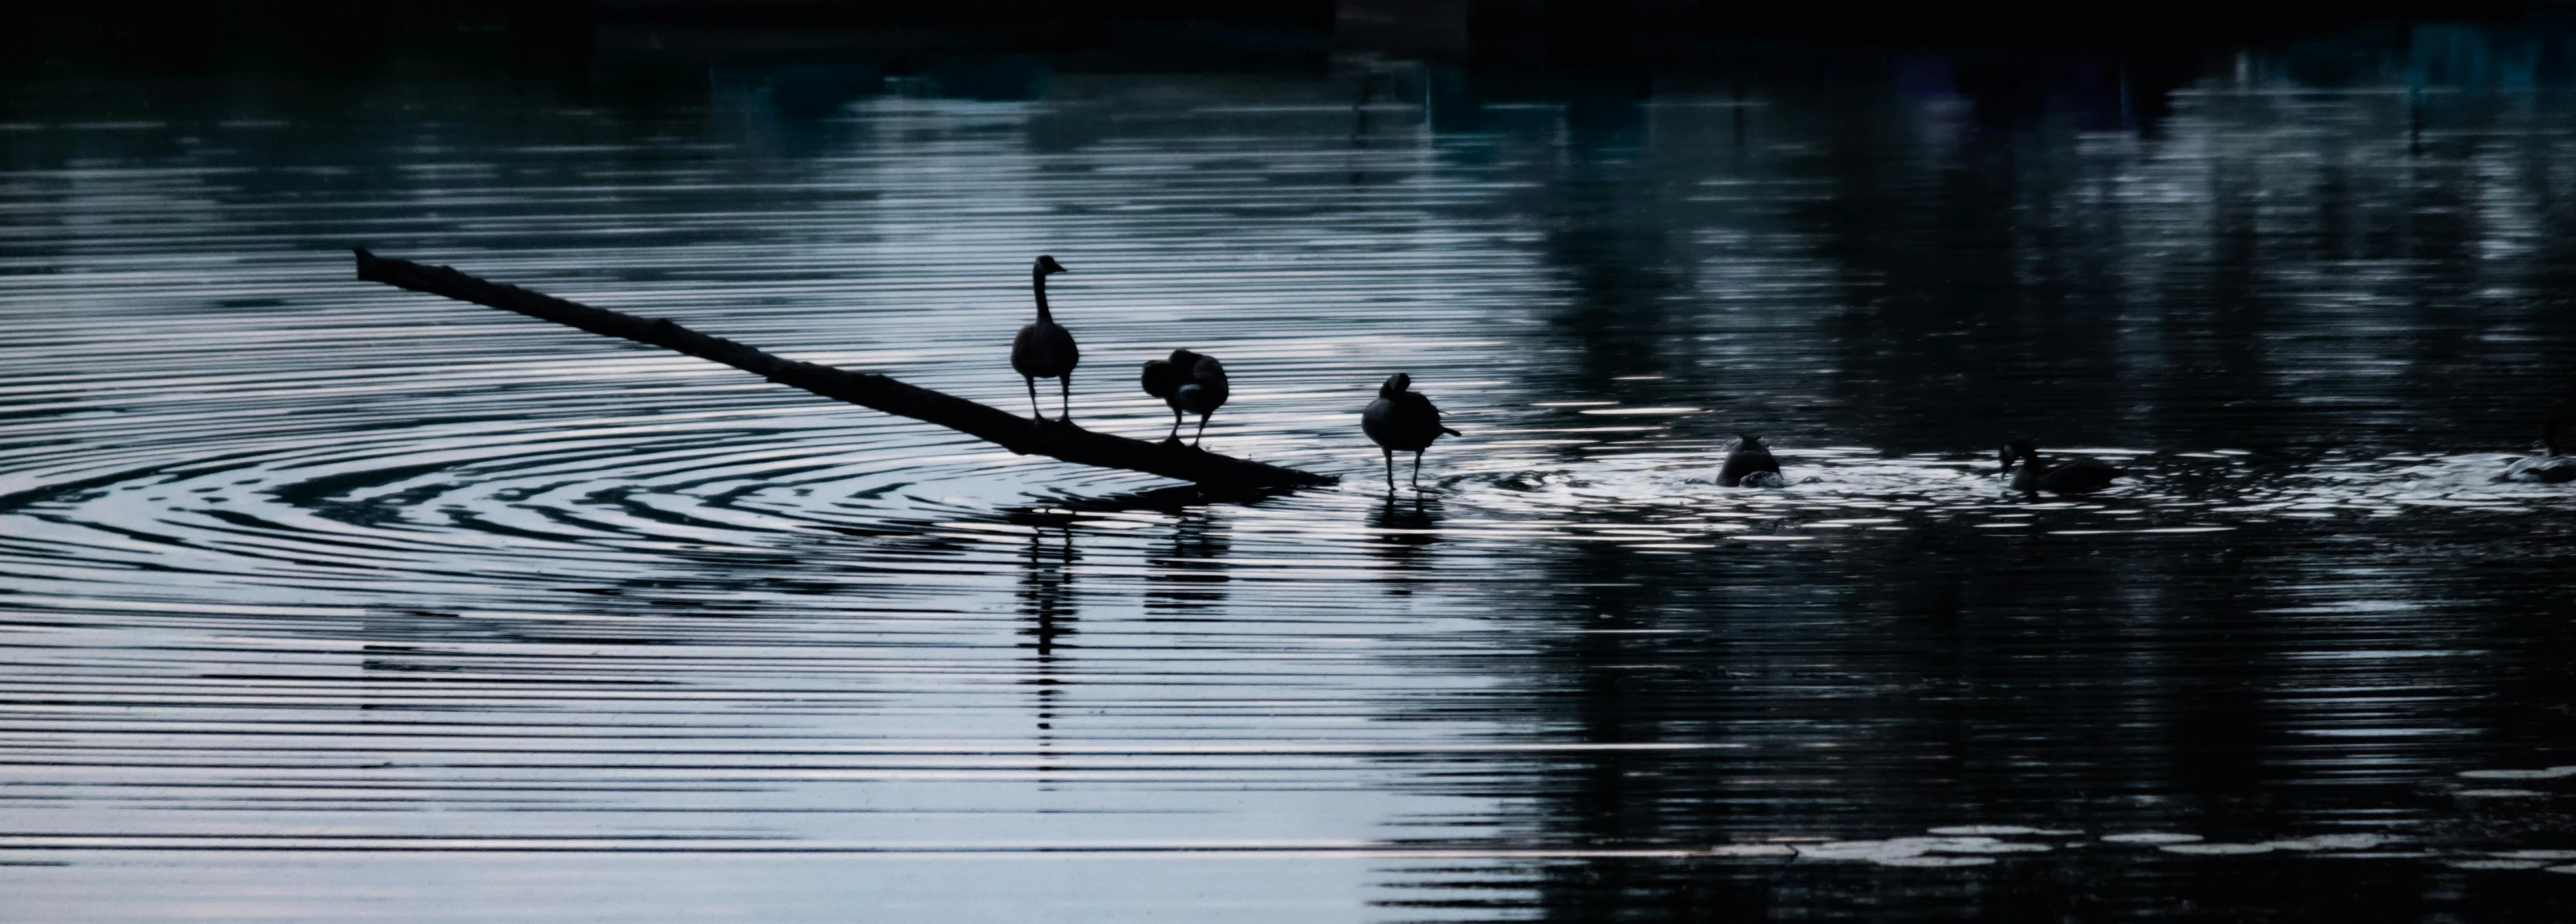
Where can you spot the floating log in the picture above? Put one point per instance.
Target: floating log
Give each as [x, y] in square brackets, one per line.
[1002, 428]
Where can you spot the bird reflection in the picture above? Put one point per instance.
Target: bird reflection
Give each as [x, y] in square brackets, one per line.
[1403, 529]
[1046, 600]
[1190, 574]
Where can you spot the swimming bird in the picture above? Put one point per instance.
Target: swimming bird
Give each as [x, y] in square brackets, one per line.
[1749, 464]
[1401, 419]
[2549, 469]
[1045, 350]
[2073, 476]
[1193, 382]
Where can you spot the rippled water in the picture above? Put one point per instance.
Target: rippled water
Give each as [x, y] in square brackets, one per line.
[329, 601]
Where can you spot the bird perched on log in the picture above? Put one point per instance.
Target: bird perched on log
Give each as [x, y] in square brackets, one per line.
[1402, 419]
[1192, 382]
[1749, 464]
[2073, 476]
[2549, 469]
[1045, 350]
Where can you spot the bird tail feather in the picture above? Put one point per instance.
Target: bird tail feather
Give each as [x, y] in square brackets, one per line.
[1451, 432]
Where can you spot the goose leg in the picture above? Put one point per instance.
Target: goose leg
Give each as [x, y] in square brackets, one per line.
[1034, 413]
[1390, 470]
[1067, 384]
[1417, 469]
[1175, 435]
[1194, 439]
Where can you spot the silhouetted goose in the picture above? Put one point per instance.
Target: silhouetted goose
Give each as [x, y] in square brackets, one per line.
[2073, 476]
[2549, 469]
[1192, 382]
[1045, 350]
[1749, 464]
[1401, 419]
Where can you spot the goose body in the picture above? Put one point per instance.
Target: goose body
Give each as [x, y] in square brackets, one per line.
[2073, 476]
[1401, 419]
[1749, 465]
[2546, 469]
[1188, 383]
[1045, 350]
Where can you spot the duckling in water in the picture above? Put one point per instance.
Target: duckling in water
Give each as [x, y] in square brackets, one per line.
[1045, 350]
[1749, 464]
[1193, 382]
[1401, 419]
[2073, 476]
[2549, 469]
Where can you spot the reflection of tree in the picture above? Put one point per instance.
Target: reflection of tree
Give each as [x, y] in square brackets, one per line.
[1953, 677]
[1609, 233]
[1047, 602]
[1965, 680]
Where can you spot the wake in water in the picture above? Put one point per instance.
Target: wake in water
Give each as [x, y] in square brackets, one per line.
[1677, 498]
[348, 514]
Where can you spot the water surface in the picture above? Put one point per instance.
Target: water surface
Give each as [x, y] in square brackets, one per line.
[327, 601]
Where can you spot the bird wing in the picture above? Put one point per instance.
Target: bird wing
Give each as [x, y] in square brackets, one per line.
[1024, 351]
[1430, 414]
[1061, 342]
[1209, 376]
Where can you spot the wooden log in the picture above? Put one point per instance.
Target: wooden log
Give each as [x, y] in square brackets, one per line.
[1002, 428]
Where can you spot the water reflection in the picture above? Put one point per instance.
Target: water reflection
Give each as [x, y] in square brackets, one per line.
[1047, 605]
[1190, 573]
[683, 613]
[1401, 532]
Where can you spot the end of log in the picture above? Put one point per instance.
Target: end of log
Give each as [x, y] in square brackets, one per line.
[366, 264]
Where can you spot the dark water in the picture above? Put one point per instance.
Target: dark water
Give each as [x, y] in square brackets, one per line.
[325, 601]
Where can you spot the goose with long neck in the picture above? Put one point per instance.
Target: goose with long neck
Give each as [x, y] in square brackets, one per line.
[1045, 350]
[1402, 419]
[2549, 469]
[1749, 465]
[2073, 476]
[1191, 382]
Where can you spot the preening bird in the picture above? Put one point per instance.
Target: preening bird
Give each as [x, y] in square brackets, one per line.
[2549, 469]
[1191, 382]
[1749, 464]
[1045, 350]
[1402, 419]
[2073, 476]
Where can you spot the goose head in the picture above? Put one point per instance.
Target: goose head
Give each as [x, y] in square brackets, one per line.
[2017, 450]
[1046, 265]
[1395, 386]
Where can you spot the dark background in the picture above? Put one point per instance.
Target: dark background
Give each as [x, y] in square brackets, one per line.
[1153, 34]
